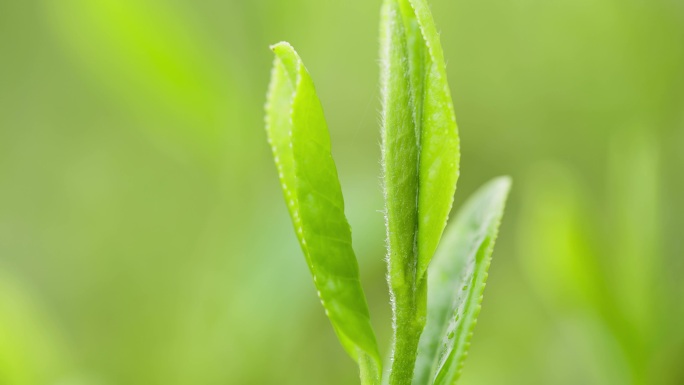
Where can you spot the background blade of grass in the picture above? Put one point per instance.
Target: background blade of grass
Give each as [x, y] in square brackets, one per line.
[562, 263]
[155, 61]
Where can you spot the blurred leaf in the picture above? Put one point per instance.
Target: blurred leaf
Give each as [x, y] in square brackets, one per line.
[633, 178]
[31, 351]
[456, 281]
[154, 61]
[300, 141]
[637, 279]
[582, 349]
[563, 266]
[554, 240]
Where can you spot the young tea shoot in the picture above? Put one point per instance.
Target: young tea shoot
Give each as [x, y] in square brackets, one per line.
[434, 304]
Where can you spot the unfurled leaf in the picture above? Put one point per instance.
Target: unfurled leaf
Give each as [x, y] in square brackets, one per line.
[300, 141]
[456, 279]
[420, 164]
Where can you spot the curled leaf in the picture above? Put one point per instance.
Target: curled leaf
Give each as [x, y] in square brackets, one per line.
[420, 164]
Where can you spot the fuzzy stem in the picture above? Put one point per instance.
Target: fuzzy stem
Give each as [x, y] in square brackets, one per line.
[409, 310]
[369, 371]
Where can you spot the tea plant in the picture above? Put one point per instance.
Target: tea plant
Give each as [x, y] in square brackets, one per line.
[420, 161]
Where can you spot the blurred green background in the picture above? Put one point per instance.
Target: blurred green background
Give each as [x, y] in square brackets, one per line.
[144, 240]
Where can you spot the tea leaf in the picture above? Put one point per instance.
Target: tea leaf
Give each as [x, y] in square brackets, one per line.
[457, 279]
[420, 164]
[300, 141]
[439, 142]
[400, 167]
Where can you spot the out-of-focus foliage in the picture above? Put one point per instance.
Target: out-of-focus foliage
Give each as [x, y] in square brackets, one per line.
[142, 231]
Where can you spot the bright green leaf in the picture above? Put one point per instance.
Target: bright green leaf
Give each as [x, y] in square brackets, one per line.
[439, 142]
[420, 164]
[456, 280]
[400, 167]
[300, 141]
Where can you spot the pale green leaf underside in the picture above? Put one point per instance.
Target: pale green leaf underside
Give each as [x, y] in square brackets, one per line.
[299, 137]
[456, 281]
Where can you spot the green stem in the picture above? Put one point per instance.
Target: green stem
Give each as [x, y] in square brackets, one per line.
[369, 371]
[409, 308]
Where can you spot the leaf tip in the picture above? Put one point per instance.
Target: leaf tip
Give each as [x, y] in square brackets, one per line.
[504, 182]
[280, 45]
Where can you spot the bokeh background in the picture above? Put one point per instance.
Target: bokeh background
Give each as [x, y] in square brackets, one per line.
[144, 239]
